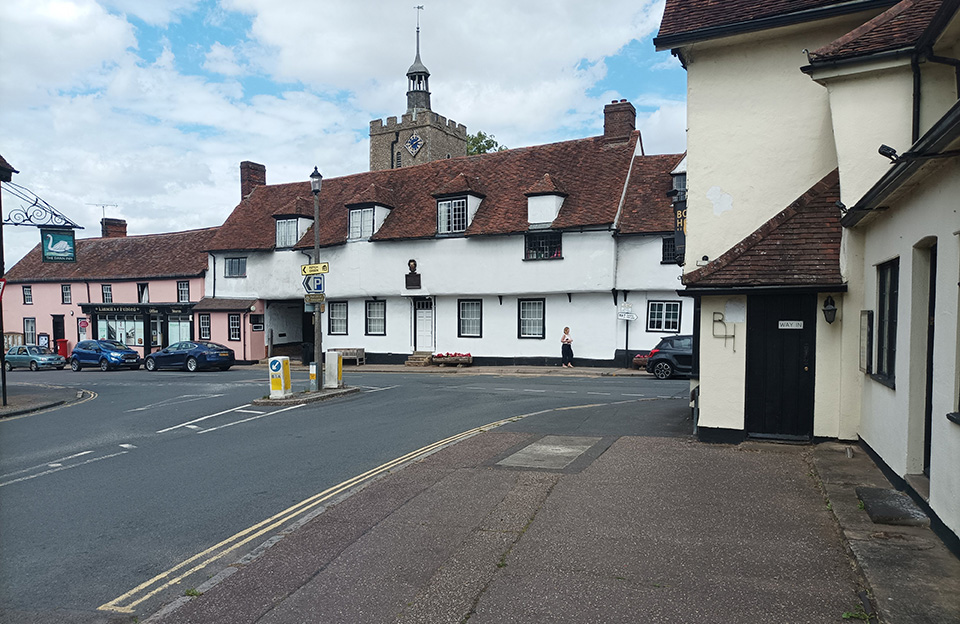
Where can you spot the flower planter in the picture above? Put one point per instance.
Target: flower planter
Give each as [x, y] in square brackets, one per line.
[453, 360]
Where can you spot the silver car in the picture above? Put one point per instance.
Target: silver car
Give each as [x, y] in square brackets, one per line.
[33, 357]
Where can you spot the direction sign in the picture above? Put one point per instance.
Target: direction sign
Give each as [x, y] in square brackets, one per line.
[313, 283]
[314, 298]
[626, 316]
[315, 269]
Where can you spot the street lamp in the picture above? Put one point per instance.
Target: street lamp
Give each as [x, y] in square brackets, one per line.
[316, 180]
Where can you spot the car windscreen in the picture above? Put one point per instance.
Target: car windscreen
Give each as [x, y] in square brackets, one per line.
[38, 351]
[113, 344]
[212, 345]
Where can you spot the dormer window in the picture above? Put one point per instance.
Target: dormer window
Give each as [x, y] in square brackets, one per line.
[452, 215]
[361, 223]
[286, 233]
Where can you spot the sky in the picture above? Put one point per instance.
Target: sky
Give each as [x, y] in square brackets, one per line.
[143, 109]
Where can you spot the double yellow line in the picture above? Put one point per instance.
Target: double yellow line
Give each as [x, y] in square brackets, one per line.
[128, 601]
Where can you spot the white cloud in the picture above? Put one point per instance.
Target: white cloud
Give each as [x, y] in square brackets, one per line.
[88, 121]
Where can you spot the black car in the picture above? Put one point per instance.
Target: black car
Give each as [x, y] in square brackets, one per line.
[671, 356]
[191, 355]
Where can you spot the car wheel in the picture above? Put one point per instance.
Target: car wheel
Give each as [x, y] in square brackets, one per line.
[75, 365]
[7, 366]
[104, 365]
[34, 367]
[224, 368]
[662, 370]
[192, 364]
[150, 364]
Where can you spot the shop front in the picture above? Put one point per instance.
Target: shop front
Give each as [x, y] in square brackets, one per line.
[146, 327]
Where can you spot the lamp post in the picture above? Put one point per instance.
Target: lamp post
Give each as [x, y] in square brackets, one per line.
[316, 180]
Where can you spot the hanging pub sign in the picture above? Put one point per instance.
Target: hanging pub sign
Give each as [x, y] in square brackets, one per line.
[680, 230]
[58, 245]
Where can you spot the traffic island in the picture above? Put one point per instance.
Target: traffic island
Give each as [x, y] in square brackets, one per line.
[307, 396]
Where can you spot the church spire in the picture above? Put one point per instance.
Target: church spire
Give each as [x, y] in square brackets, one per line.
[418, 79]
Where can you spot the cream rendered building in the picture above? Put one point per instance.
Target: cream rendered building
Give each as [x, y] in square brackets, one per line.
[791, 212]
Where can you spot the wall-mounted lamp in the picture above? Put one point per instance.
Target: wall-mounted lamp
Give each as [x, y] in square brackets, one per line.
[829, 310]
[889, 152]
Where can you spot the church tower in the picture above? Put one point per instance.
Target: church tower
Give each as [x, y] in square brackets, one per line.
[422, 135]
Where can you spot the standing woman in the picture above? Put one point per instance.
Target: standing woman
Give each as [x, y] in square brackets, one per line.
[566, 348]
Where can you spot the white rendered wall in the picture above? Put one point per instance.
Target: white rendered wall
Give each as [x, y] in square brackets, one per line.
[723, 362]
[892, 419]
[759, 132]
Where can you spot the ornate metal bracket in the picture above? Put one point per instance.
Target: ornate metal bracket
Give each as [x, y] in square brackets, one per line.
[36, 212]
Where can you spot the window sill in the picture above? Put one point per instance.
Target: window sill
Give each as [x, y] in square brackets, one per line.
[538, 259]
[954, 417]
[234, 276]
[883, 380]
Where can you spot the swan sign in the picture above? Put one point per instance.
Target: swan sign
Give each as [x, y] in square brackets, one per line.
[58, 245]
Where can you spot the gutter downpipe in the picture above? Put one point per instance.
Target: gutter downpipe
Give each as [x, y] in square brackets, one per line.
[915, 129]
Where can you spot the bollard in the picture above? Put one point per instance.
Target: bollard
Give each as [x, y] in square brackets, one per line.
[333, 377]
[280, 386]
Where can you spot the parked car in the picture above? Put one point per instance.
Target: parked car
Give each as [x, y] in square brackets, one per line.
[106, 354]
[672, 355]
[33, 357]
[191, 355]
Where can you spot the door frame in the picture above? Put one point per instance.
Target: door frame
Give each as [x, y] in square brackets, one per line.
[418, 304]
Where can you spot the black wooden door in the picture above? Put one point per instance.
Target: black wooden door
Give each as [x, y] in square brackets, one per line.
[781, 342]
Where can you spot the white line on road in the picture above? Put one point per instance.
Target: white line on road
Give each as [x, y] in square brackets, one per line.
[242, 411]
[529, 390]
[600, 393]
[186, 398]
[379, 389]
[195, 427]
[53, 470]
[127, 446]
[237, 422]
[56, 461]
[636, 395]
[196, 420]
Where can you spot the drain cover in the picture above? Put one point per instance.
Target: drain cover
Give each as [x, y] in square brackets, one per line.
[550, 452]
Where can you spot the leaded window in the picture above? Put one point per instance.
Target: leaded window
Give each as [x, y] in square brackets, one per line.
[361, 223]
[451, 216]
[543, 246]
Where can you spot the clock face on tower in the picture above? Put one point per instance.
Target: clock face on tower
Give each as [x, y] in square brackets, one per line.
[414, 143]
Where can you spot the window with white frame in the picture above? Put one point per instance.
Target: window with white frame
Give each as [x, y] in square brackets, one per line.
[663, 316]
[235, 267]
[532, 318]
[183, 292]
[470, 318]
[106, 293]
[451, 216]
[66, 294]
[204, 322]
[233, 325]
[376, 318]
[286, 233]
[143, 293]
[28, 295]
[337, 318]
[30, 331]
[361, 223]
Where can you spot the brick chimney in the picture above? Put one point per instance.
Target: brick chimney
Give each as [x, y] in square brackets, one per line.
[113, 228]
[251, 175]
[619, 120]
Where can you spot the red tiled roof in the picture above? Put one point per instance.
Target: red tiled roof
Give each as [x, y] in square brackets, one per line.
[593, 175]
[152, 256]
[547, 185]
[800, 246]
[686, 17]
[300, 207]
[374, 194]
[899, 27]
[647, 208]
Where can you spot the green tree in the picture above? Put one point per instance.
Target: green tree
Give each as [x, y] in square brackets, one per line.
[481, 143]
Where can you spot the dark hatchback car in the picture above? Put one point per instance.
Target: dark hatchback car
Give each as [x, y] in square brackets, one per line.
[671, 356]
[191, 355]
[105, 354]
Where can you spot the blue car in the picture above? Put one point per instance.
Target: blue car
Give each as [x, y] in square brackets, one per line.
[191, 355]
[33, 357]
[105, 354]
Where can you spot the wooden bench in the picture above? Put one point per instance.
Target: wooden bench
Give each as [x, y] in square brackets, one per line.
[352, 354]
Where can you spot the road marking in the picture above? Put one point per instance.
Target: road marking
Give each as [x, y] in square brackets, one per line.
[381, 389]
[127, 446]
[53, 470]
[528, 390]
[195, 427]
[56, 461]
[243, 411]
[196, 420]
[186, 398]
[600, 393]
[237, 422]
[157, 584]
[636, 395]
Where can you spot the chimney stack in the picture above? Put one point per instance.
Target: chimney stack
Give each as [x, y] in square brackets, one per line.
[619, 120]
[251, 175]
[113, 228]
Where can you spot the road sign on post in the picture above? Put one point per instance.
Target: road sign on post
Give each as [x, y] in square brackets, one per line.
[313, 283]
[314, 298]
[626, 316]
[315, 269]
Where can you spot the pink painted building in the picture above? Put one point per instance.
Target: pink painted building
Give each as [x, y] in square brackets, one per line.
[139, 290]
